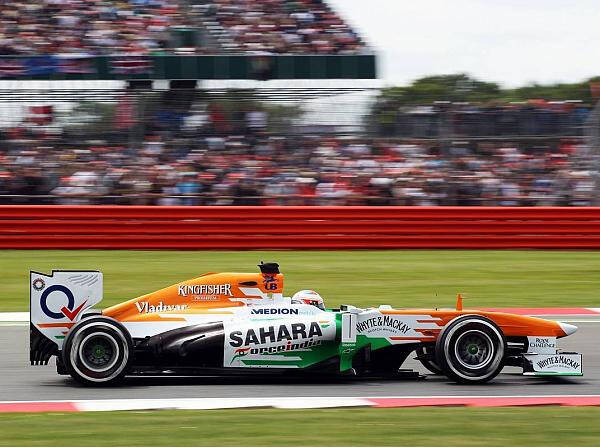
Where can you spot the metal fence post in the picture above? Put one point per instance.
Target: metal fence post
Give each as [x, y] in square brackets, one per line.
[592, 140]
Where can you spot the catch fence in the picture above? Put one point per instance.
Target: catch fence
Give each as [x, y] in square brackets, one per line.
[175, 144]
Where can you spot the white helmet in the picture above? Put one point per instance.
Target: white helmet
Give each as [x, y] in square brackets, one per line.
[308, 297]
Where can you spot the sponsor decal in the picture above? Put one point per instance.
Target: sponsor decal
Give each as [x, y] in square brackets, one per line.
[289, 346]
[205, 297]
[542, 344]
[275, 311]
[288, 343]
[270, 282]
[68, 311]
[205, 292]
[275, 349]
[38, 284]
[144, 307]
[242, 351]
[239, 352]
[324, 323]
[274, 334]
[558, 361]
[383, 322]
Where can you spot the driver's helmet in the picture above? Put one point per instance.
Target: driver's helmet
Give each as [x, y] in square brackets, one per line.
[308, 297]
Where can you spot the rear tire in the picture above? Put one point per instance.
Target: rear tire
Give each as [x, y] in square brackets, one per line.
[97, 351]
[471, 349]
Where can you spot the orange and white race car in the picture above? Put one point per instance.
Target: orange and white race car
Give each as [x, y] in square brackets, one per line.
[242, 323]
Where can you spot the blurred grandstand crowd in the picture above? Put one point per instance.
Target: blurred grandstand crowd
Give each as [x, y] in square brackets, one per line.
[524, 119]
[83, 27]
[138, 27]
[279, 27]
[206, 153]
[209, 158]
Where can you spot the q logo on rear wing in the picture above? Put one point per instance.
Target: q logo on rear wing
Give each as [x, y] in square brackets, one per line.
[68, 311]
[58, 300]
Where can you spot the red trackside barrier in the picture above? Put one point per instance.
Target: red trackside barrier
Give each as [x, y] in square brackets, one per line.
[151, 227]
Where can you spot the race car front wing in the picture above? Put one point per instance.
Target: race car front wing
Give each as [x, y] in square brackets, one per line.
[543, 359]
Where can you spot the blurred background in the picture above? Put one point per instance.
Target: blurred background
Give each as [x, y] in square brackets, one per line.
[271, 102]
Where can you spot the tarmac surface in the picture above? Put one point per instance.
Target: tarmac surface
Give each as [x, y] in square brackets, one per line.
[21, 382]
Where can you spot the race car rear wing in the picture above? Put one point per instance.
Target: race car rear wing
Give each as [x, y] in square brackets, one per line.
[56, 302]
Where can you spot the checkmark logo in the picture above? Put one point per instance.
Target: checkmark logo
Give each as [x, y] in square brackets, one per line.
[71, 314]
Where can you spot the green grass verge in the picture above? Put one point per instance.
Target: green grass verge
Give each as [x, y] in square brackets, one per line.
[573, 426]
[402, 278]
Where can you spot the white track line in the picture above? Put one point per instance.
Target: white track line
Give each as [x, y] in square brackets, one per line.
[290, 402]
[14, 316]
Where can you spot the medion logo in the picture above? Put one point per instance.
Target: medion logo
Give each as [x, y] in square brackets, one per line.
[144, 307]
[275, 311]
[205, 289]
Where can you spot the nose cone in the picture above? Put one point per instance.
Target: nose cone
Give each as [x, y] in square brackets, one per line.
[568, 329]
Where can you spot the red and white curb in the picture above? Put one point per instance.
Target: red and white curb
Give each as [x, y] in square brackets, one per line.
[294, 403]
[23, 317]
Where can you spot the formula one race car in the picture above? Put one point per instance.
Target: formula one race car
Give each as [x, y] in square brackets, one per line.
[241, 323]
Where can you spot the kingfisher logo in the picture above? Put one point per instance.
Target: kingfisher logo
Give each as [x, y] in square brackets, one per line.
[204, 289]
[275, 311]
[68, 311]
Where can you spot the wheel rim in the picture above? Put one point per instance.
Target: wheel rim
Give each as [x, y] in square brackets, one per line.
[474, 349]
[98, 351]
[117, 339]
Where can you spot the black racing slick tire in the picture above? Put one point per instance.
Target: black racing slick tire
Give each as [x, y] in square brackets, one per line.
[97, 351]
[425, 355]
[471, 349]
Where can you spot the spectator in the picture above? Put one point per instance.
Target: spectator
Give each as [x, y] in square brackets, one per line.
[280, 27]
[84, 28]
[216, 153]
[142, 27]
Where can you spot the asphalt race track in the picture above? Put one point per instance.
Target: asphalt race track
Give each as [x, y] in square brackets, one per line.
[21, 382]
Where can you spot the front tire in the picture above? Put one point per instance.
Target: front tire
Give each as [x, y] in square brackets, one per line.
[471, 349]
[97, 351]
